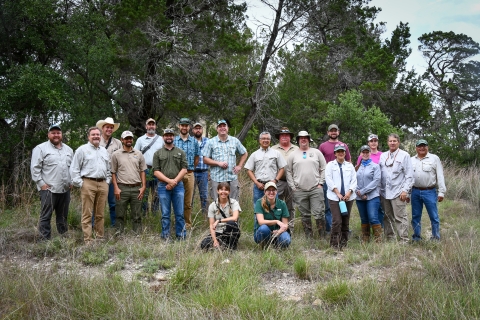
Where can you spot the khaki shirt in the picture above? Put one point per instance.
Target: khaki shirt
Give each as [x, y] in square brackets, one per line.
[428, 172]
[285, 154]
[128, 165]
[51, 165]
[114, 145]
[169, 162]
[265, 164]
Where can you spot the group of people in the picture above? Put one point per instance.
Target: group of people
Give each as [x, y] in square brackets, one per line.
[320, 182]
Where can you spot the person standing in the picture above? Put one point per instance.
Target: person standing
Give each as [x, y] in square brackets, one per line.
[396, 183]
[188, 144]
[428, 177]
[284, 192]
[375, 156]
[90, 171]
[50, 167]
[148, 144]
[201, 170]
[220, 155]
[327, 149]
[108, 127]
[128, 179]
[341, 180]
[264, 165]
[169, 166]
[306, 176]
[368, 195]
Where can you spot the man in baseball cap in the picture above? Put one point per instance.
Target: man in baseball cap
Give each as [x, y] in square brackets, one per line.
[129, 181]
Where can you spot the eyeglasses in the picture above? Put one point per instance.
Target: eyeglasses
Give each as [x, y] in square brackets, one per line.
[304, 155]
[393, 161]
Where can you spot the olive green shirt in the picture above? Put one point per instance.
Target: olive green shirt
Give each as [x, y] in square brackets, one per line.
[169, 162]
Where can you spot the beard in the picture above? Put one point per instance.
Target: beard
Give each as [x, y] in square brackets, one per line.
[151, 131]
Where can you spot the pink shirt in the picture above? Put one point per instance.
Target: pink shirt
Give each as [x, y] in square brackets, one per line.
[375, 157]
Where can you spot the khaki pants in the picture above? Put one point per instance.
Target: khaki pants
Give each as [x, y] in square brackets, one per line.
[395, 215]
[310, 203]
[189, 185]
[94, 197]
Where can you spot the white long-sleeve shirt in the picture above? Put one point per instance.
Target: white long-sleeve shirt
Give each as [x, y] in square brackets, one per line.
[397, 174]
[334, 180]
[428, 172]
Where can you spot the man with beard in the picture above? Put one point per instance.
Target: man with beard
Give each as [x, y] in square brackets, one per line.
[326, 149]
[396, 183]
[128, 179]
[91, 173]
[201, 170]
[284, 192]
[169, 166]
[50, 166]
[108, 127]
[188, 144]
[306, 176]
[220, 155]
[148, 144]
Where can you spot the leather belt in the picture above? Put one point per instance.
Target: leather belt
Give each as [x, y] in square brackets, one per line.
[189, 171]
[94, 179]
[427, 188]
[149, 167]
[263, 182]
[130, 185]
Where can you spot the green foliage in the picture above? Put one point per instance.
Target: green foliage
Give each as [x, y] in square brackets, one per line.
[94, 256]
[301, 267]
[357, 122]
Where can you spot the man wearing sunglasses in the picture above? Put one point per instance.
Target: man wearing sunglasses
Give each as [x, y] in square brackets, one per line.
[306, 176]
[397, 180]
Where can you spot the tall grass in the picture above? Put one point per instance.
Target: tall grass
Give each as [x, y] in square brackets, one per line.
[64, 279]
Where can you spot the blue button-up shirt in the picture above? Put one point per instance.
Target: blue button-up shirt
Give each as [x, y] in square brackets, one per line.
[191, 148]
[201, 165]
[223, 151]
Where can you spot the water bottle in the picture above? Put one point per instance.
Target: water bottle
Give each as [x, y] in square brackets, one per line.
[343, 208]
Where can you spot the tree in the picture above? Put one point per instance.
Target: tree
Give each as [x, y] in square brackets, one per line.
[455, 83]
[357, 122]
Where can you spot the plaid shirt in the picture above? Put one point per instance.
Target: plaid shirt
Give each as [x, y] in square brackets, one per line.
[201, 165]
[222, 151]
[190, 146]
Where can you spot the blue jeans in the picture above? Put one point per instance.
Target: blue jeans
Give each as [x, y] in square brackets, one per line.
[152, 185]
[264, 233]
[201, 181]
[169, 198]
[328, 212]
[429, 199]
[368, 210]
[111, 206]
[257, 194]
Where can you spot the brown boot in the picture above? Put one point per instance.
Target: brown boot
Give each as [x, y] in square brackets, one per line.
[377, 232]
[365, 233]
[321, 228]
[307, 227]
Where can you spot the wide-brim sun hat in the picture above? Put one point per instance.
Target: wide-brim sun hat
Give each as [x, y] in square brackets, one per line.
[284, 130]
[303, 133]
[101, 123]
